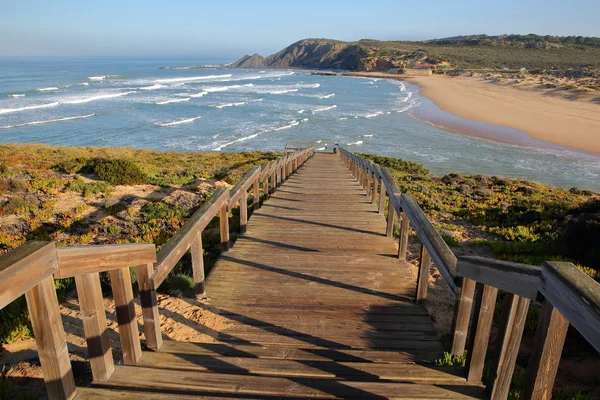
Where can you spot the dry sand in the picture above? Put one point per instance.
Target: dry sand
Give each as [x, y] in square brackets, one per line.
[551, 118]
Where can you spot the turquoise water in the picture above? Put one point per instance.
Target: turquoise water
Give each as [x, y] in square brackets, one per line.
[133, 102]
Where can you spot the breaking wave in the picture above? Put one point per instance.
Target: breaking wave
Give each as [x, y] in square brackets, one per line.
[94, 98]
[15, 95]
[178, 122]
[160, 103]
[326, 96]
[97, 78]
[154, 87]
[193, 78]
[47, 121]
[323, 109]
[47, 89]
[283, 91]
[11, 110]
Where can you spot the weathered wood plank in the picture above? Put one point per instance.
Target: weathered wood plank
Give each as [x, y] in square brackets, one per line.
[120, 281]
[482, 329]
[149, 305]
[463, 316]
[576, 296]
[24, 267]
[83, 260]
[520, 279]
[93, 316]
[50, 339]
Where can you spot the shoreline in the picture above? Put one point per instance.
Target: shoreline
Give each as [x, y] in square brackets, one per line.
[526, 117]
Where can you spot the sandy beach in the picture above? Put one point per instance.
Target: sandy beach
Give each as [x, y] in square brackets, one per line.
[542, 115]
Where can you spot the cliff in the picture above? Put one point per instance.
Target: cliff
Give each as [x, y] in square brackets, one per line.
[476, 51]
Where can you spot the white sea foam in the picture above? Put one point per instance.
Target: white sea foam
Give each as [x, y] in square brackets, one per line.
[94, 98]
[291, 125]
[301, 111]
[358, 142]
[47, 89]
[241, 103]
[154, 87]
[195, 95]
[15, 95]
[225, 88]
[284, 91]
[323, 109]
[84, 84]
[313, 86]
[178, 122]
[367, 135]
[97, 78]
[193, 78]
[12, 110]
[326, 96]
[343, 118]
[160, 103]
[47, 121]
[378, 113]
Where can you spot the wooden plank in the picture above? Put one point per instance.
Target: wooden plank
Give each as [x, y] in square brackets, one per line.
[93, 316]
[463, 316]
[84, 393]
[24, 267]
[520, 279]
[120, 281]
[442, 256]
[389, 230]
[403, 243]
[576, 296]
[149, 305]
[313, 369]
[547, 349]
[83, 260]
[423, 277]
[192, 382]
[482, 329]
[224, 228]
[506, 350]
[170, 254]
[243, 212]
[198, 266]
[50, 339]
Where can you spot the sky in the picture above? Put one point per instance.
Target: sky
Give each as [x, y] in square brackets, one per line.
[229, 29]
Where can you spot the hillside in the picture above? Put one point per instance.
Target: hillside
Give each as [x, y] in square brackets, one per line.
[475, 51]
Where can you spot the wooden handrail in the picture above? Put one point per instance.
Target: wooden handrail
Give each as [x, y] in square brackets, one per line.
[575, 295]
[178, 245]
[243, 185]
[82, 260]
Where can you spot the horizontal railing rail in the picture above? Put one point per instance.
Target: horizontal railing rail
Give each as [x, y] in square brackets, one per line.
[568, 295]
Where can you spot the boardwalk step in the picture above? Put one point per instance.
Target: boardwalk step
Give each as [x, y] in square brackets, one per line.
[282, 352]
[363, 371]
[198, 383]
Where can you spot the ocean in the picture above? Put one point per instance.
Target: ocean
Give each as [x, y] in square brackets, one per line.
[168, 104]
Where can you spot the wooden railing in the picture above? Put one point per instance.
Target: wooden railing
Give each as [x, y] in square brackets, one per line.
[568, 295]
[31, 269]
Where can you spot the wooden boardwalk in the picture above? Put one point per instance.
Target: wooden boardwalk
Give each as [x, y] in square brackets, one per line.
[318, 306]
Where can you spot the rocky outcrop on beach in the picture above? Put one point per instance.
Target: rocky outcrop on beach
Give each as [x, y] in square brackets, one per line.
[250, 61]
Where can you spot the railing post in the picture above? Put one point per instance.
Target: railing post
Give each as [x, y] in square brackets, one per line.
[266, 187]
[547, 348]
[463, 316]
[51, 342]
[382, 193]
[484, 316]
[243, 212]
[198, 265]
[403, 241]
[389, 231]
[375, 189]
[224, 227]
[120, 281]
[423, 276]
[507, 348]
[149, 305]
[93, 316]
[256, 193]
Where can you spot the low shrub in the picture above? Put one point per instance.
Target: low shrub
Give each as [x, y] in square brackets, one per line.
[119, 172]
[72, 166]
[21, 206]
[180, 285]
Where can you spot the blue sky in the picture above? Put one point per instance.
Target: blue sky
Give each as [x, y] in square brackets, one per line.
[228, 29]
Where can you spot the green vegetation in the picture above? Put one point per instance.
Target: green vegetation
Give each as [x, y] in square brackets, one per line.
[36, 202]
[528, 222]
[451, 359]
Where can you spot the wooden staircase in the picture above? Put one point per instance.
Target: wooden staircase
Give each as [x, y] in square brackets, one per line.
[318, 306]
